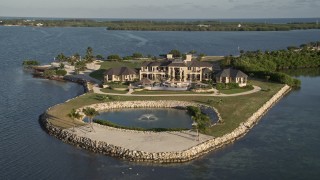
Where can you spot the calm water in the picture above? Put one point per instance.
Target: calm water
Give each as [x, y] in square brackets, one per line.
[148, 118]
[285, 144]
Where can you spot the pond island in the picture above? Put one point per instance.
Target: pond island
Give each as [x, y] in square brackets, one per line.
[164, 110]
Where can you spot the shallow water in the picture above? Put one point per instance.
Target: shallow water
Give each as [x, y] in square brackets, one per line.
[284, 145]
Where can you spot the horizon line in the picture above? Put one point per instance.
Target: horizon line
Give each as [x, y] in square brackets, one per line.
[39, 17]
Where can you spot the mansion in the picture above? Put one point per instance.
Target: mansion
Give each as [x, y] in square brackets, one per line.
[175, 71]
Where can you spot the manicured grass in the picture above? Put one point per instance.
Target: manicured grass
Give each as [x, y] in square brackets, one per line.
[112, 64]
[98, 74]
[107, 90]
[166, 92]
[212, 58]
[235, 91]
[117, 85]
[237, 109]
[233, 110]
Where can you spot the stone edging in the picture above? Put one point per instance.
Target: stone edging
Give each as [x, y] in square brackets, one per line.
[161, 157]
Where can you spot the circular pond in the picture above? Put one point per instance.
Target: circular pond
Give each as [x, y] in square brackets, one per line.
[148, 118]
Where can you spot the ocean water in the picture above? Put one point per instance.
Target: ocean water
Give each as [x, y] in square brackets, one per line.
[284, 145]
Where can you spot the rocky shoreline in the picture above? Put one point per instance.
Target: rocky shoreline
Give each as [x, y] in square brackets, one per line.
[158, 157]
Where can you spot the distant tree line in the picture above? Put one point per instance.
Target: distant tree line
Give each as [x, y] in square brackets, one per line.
[150, 25]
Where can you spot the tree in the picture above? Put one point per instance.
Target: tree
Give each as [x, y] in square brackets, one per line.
[61, 72]
[193, 52]
[61, 66]
[49, 73]
[114, 57]
[99, 57]
[79, 66]
[89, 54]
[184, 56]
[61, 57]
[137, 55]
[175, 53]
[90, 113]
[200, 56]
[74, 115]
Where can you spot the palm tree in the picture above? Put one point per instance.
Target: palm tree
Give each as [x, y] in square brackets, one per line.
[89, 54]
[90, 113]
[74, 115]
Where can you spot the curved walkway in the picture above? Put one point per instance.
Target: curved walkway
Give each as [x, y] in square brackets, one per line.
[215, 94]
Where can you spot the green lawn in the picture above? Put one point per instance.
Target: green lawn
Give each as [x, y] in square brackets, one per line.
[233, 110]
[107, 90]
[111, 64]
[235, 91]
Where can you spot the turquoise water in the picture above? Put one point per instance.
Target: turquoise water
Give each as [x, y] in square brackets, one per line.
[284, 145]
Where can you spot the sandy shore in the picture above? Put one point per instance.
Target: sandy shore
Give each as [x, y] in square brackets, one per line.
[142, 141]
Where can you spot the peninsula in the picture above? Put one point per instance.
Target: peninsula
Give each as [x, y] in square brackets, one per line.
[184, 83]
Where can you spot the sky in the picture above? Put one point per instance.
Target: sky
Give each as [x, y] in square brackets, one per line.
[167, 9]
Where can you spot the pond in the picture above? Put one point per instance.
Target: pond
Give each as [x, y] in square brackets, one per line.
[148, 118]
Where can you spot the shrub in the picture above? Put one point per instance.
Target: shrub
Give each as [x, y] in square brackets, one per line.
[249, 86]
[232, 85]
[220, 86]
[49, 73]
[202, 119]
[61, 72]
[29, 63]
[114, 57]
[137, 55]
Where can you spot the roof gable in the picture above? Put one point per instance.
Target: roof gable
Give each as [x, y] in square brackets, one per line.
[120, 71]
[234, 73]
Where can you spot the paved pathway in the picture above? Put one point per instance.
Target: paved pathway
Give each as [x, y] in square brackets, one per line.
[215, 94]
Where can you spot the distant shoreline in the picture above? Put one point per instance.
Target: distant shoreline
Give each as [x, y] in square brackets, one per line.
[168, 25]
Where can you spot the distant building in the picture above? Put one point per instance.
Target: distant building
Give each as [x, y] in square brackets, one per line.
[120, 74]
[239, 25]
[169, 56]
[232, 76]
[203, 25]
[39, 24]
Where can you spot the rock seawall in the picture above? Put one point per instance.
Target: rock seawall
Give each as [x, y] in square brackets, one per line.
[158, 157]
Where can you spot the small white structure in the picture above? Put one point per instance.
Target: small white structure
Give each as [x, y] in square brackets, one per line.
[239, 25]
[203, 25]
[39, 25]
[169, 56]
[188, 57]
